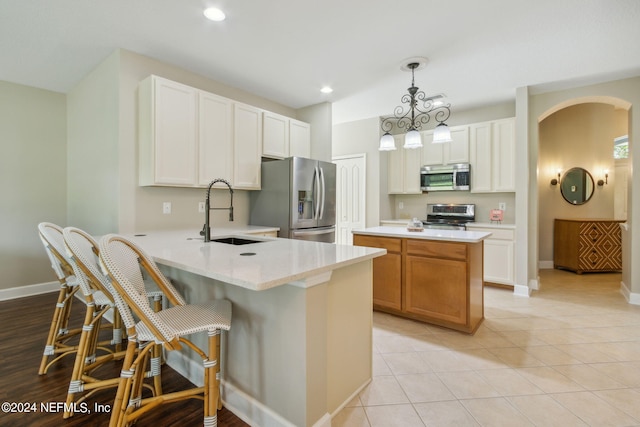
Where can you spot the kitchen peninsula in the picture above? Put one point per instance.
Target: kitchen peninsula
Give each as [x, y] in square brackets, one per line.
[435, 276]
[300, 344]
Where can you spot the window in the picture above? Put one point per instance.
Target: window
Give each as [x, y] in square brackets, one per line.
[621, 147]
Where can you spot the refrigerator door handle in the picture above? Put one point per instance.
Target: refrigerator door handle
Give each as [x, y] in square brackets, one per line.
[323, 192]
[316, 194]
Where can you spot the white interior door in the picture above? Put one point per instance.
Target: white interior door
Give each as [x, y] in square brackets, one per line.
[350, 196]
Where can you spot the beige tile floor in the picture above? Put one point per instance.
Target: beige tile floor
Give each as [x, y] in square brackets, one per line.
[567, 356]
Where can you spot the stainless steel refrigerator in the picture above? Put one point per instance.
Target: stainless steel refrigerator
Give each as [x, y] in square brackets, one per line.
[299, 196]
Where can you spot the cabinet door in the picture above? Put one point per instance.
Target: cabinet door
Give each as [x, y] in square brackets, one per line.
[504, 156]
[403, 170]
[215, 144]
[395, 168]
[299, 139]
[247, 137]
[411, 164]
[480, 157]
[443, 296]
[275, 135]
[387, 270]
[498, 261]
[457, 151]
[169, 149]
[432, 154]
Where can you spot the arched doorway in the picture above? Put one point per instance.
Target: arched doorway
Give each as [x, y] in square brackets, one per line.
[579, 133]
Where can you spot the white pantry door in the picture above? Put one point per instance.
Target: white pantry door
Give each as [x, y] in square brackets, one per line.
[350, 196]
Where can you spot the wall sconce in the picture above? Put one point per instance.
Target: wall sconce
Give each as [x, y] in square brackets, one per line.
[606, 178]
[555, 181]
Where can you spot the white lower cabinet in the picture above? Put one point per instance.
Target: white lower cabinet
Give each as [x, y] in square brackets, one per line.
[499, 254]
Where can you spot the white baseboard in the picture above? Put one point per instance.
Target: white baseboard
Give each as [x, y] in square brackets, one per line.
[28, 290]
[241, 404]
[632, 298]
[521, 291]
[545, 265]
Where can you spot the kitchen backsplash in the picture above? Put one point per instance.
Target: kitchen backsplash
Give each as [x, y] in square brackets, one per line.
[415, 206]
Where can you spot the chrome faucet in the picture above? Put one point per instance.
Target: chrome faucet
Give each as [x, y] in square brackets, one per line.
[206, 230]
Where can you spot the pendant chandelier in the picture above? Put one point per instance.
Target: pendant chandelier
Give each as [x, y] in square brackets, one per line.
[417, 115]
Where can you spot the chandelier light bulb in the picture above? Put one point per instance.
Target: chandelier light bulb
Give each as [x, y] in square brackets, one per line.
[387, 143]
[412, 139]
[441, 134]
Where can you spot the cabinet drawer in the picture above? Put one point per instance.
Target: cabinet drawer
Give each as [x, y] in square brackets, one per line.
[433, 249]
[388, 243]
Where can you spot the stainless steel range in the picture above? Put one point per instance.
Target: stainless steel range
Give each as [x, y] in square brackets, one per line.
[449, 216]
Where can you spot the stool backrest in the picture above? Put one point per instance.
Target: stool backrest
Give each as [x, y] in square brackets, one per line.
[53, 241]
[83, 250]
[127, 264]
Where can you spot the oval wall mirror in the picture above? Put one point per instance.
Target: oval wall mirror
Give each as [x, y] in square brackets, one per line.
[577, 186]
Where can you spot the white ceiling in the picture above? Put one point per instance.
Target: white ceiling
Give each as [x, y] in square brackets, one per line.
[286, 50]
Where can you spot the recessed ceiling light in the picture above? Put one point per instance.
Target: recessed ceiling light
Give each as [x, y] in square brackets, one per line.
[326, 89]
[214, 14]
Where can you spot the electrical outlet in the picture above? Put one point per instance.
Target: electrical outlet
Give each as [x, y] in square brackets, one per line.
[201, 207]
[166, 208]
[502, 206]
[401, 205]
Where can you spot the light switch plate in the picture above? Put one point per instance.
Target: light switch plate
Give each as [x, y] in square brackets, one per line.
[166, 208]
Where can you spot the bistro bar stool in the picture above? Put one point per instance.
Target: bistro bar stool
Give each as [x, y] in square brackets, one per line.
[126, 263]
[57, 341]
[82, 252]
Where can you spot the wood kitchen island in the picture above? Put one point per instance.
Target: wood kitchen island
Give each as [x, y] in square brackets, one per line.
[300, 344]
[435, 276]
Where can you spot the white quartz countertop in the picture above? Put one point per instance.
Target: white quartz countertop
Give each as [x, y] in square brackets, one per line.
[468, 224]
[496, 225]
[427, 234]
[256, 266]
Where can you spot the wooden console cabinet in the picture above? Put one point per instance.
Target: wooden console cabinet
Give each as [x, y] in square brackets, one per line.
[587, 245]
[433, 281]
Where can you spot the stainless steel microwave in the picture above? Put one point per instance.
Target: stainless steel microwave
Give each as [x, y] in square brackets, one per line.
[456, 177]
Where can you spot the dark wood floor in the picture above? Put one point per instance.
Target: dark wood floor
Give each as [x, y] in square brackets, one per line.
[24, 324]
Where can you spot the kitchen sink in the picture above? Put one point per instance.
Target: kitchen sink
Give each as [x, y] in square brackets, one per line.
[235, 241]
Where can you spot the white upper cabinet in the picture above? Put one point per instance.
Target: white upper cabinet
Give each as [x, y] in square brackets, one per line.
[167, 133]
[188, 137]
[456, 151]
[247, 138]
[492, 156]
[285, 137]
[275, 135]
[215, 145]
[403, 170]
[299, 139]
